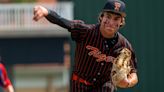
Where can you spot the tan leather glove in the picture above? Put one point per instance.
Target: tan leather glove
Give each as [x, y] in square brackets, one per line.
[121, 66]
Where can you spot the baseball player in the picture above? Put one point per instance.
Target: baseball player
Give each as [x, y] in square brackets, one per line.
[97, 45]
[4, 80]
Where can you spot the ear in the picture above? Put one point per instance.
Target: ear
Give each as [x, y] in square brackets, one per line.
[122, 22]
[100, 17]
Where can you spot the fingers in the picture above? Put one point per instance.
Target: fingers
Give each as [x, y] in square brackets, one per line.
[35, 13]
[35, 9]
[38, 13]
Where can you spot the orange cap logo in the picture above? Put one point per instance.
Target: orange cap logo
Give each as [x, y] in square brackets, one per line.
[117, 6]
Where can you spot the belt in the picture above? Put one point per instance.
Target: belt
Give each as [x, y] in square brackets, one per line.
[77, 78]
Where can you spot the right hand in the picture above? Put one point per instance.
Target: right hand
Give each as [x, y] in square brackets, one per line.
[39, 12]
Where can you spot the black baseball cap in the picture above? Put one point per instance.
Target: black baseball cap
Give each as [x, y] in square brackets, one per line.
[115, 6]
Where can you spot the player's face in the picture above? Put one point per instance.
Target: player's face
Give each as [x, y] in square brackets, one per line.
[110, 23]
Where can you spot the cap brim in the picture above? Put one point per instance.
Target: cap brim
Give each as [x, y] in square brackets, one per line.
[117, 12]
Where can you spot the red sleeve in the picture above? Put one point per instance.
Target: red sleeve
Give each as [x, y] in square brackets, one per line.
[4, 80]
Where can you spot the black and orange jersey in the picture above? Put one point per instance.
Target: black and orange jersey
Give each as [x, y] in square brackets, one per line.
[93, 52]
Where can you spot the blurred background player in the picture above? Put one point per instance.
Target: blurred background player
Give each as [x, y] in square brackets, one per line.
[5, 82]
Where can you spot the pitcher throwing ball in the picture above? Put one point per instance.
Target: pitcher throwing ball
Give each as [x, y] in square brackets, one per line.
[98, 47]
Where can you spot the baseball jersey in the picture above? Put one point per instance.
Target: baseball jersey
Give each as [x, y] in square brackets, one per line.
[4, 80]
[93, 52]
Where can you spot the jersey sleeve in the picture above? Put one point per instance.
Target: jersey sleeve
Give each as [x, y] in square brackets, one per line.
[81, 30]
[124, 43]
[133, 61]
[4, 80]
[77, 28]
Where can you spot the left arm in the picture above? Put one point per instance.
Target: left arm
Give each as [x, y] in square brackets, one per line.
[130, 78]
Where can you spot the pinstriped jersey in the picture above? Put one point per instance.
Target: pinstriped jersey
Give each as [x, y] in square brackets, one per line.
[94, 53]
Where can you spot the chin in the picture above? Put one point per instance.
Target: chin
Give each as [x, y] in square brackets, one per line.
[110, 32]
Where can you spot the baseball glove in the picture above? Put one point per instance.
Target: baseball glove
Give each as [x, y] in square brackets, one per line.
[121, 66]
